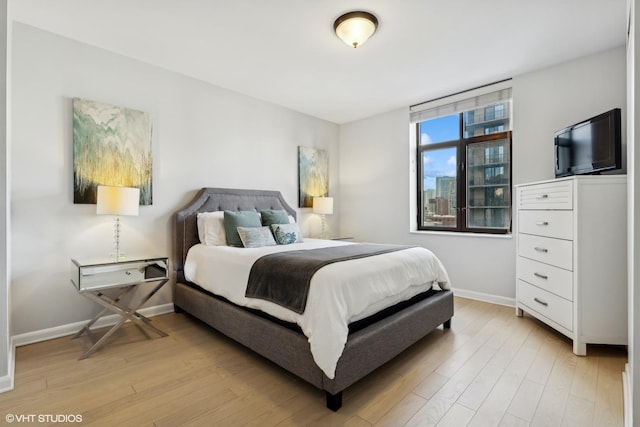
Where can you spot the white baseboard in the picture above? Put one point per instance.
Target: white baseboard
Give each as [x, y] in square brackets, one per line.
[494, 299]
[6, 382]
[72, 328]
[626, 394]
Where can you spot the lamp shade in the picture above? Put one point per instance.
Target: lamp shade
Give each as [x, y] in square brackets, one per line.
[355, 28]
[323, 205]
[117, 200]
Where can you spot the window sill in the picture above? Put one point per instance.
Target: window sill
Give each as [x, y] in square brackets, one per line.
[507, 236]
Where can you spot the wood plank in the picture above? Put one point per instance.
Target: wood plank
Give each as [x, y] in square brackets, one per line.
[585, 378]
[482, 385]
[401, 413]
[457, 416]
[555, 395]
[609, 406]
[578, 413]
[525, 401]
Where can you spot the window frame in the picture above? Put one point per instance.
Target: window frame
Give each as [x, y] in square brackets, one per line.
[420, 177]
[461, 145]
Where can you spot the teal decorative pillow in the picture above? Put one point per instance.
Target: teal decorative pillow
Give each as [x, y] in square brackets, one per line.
[286, 234]
[273, 216]
[235, 219]
[255, 237]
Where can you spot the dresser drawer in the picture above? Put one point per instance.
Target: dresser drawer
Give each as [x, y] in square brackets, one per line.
[553, 279]
[547, 304]
[551, 195]
[558, 224]
[556, 252]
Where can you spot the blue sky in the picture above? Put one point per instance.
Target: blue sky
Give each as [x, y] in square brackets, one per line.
[439, 162]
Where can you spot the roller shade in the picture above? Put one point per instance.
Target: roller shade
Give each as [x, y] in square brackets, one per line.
[461, 102]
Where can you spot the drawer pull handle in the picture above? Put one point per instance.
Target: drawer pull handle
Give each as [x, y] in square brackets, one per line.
[543, 250]
[540, 302]
[543, 196]
[542, 276]
[128, 273]
[545, 223]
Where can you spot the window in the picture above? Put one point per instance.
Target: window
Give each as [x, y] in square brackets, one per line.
[464, 164]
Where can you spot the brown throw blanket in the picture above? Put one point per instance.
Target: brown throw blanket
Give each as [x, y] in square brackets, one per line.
[284, 277]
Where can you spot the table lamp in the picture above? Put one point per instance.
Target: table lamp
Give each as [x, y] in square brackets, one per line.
[323, 206]
[117, 201]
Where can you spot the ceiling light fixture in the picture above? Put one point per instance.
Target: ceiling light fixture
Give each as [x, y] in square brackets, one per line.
[355, 28]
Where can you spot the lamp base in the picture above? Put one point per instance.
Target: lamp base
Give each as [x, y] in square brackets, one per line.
[117, 255]
[323, 231]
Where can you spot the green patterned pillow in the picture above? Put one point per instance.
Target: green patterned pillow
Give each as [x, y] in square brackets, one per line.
[286, 234]
[235, 219]
[255, 237]
[273, 216]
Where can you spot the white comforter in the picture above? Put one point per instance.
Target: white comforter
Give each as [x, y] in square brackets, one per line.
[340, 293]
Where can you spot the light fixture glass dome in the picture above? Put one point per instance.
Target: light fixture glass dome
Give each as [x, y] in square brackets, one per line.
[355, 28]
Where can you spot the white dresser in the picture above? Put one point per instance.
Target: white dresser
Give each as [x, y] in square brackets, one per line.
[571, 263]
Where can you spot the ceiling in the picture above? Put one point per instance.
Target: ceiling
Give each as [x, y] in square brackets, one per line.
[285, 51]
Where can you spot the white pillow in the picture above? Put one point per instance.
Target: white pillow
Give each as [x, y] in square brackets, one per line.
[211, 228]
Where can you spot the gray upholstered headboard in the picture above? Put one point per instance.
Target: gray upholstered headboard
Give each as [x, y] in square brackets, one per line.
[185, 227]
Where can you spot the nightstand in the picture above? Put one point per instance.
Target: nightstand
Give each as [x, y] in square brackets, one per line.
[94, 280]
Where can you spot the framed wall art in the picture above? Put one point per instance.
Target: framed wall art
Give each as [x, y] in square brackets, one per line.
[313, 171]
[111, 146]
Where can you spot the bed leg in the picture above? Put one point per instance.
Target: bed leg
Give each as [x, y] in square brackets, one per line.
[334, 401]
[447, 324]
[177, 309]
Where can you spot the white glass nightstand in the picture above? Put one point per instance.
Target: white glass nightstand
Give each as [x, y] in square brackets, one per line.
[94, 279]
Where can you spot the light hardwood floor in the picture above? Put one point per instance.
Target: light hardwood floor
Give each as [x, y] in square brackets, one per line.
[490, 369]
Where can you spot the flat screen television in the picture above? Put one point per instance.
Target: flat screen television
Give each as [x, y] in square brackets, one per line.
[591, 146]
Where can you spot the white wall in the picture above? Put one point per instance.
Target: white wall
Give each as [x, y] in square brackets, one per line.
[553, 98]
[6, 373]
[202, 136]
[632, 373]
[375, 168]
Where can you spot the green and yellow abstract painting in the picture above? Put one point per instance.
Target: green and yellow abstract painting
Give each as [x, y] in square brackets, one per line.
[313, 175]
[111, 146]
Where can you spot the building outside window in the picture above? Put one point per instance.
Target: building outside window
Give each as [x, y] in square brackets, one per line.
[464, 165]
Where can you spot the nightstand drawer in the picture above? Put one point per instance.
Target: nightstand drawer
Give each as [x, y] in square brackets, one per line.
[553, 279]
[97, 277]
[558, 224]
[552, 195]
[556, 252]
[108, 283]
[547, 304]
[114, 274]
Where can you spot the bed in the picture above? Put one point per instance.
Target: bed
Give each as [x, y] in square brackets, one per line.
[371, 341]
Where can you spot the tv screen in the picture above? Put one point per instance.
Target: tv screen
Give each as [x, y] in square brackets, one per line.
[591, 146]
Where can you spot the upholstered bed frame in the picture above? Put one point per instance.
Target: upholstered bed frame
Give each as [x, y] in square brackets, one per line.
[366, 349]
